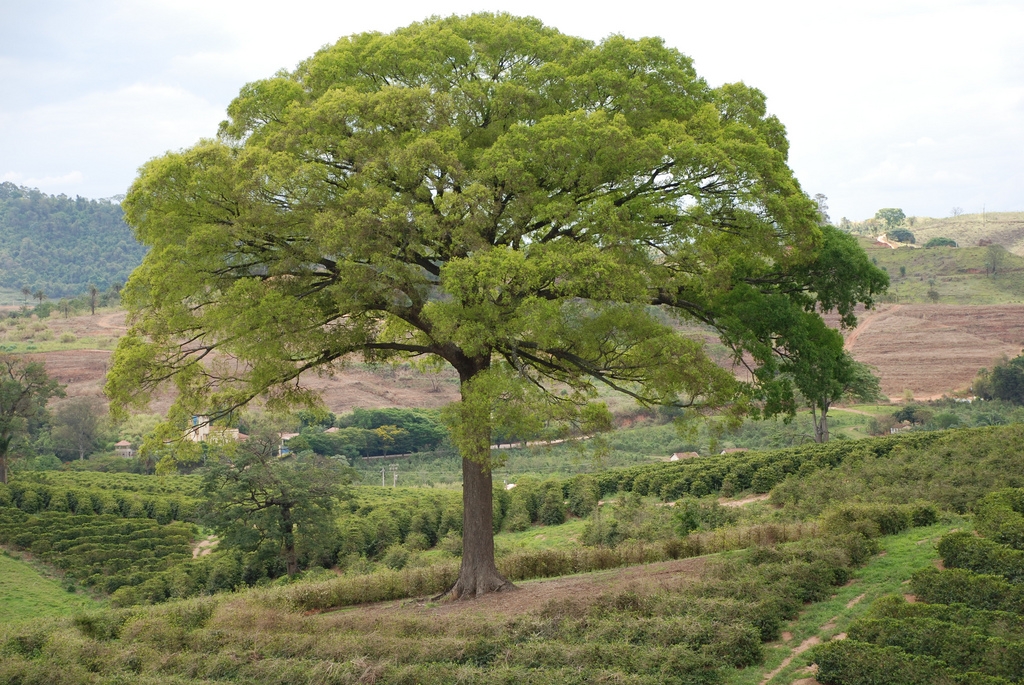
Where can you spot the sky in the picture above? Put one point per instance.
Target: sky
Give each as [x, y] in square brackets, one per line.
[902, 103]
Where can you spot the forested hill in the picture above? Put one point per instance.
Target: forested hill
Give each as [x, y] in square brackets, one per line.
[60, 245]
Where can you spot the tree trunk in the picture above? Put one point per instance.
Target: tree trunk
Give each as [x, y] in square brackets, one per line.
[478, 574]
[3, 469]
[820, 424]
[290, 558]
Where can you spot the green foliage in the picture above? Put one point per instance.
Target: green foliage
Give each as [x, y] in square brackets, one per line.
[59, 245]
[552, 509]
[849, 662]
[1005, 382]
[25, 388]
[1000, 516]
[978, 591]
[259, 502]
[901, 235]
[964, 550]
[950, 469]
[892, 216]
[941, 242]
[691, 514]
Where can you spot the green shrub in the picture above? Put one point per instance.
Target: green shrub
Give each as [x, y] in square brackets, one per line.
[962, 648]
[849, 662]
[964, 550]
[959, 586]
[1000, 516]
[870, 520]
[552, 509]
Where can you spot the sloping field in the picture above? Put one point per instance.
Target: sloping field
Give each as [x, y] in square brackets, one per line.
[935, 349]
[929, 349]
[1002, 228]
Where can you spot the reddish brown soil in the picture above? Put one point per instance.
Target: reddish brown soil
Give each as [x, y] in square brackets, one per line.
[929, 349]
[935, 349]
[535, 595]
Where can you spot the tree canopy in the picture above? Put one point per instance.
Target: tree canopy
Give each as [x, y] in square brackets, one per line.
[489, 192]
[24, 391]
[892, 216]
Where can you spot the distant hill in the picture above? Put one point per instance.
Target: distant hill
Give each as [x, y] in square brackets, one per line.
[968, 230]
[60, 245]
[959, 275]
[1001, 228]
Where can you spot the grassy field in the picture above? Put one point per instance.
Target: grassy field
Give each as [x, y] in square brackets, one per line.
[957, 274]
[27, 593]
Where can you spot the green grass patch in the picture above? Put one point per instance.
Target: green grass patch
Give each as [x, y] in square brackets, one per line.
[26, 593]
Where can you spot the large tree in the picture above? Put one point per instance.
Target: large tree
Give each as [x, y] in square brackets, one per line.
[24, 390]
[493, 194]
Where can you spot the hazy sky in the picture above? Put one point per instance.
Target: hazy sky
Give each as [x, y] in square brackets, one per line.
[912, 104]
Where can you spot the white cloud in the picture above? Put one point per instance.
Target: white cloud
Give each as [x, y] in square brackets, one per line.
[108, 134]
[912, 103]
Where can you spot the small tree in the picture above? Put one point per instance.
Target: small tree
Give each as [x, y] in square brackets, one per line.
[956, 211]
[892, 216]
[826, 374]
[76, 426]
[26, 292]
[995, 257]
[941, 242]
[278, 508]
[93, 295]
[24, 391]
[39, 295]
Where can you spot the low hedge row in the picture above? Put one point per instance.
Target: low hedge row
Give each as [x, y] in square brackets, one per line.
[975, 590]
[851, 662]
[1000, 517]
[963, 648]
[967, 551]
[105, 551]
[759, 471]
[1004, 624]
[32, 498]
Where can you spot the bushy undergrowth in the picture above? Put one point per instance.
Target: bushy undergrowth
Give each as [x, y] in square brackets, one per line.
[687, 630]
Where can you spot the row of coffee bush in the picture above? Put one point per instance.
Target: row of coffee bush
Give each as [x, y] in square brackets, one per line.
[740, 471]
[33, 497]
[102, 551]
[967, 624]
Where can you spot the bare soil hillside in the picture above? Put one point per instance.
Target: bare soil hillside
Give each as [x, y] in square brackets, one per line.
[932, 350]
[83, 371]
[929, 349]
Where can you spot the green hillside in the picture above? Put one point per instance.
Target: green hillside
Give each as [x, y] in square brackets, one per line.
[25, 593]
[61, 245]
[959, 275]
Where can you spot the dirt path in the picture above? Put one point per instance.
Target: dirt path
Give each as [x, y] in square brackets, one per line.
[742, 502]
[866, 322]
[535, 595]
